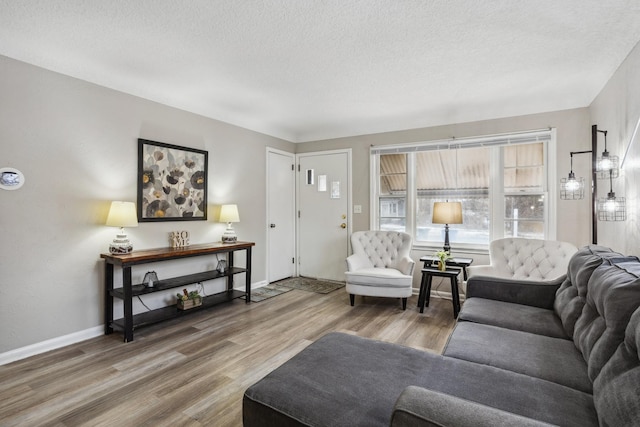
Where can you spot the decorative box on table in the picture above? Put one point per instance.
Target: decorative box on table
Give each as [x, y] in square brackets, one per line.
[189, 300]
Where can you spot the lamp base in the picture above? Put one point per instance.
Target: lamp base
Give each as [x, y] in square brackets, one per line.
[447, 246]
[121, 245]
[229, 235]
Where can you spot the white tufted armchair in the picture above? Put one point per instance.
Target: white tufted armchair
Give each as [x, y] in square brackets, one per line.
[380, 265]
[526, 259]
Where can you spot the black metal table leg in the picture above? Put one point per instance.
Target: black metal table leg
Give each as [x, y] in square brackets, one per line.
[108, 298]
[128, 304]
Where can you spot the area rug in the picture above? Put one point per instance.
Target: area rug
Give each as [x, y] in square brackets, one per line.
[310, 285]
[267, 292]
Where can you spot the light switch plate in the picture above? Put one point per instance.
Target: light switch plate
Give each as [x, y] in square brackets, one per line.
[357, 208]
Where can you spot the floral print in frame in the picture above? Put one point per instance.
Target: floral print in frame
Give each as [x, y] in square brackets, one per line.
[172, 182]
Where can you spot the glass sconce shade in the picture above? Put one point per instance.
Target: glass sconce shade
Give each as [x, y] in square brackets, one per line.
[572, 188]
[612, 208]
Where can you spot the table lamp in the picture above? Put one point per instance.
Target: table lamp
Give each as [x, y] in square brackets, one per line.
[447, 213]
[122, 214]
[229, 214]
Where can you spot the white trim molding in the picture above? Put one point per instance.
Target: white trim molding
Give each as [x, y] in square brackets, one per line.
[51, 344]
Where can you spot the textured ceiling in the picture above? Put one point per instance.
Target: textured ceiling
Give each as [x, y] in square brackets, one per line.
[305, 70]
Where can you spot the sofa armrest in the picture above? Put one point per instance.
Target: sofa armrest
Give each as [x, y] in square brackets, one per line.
[483, 270]
[418, 406]
[405, 265]
[357, 262]
[527, 292]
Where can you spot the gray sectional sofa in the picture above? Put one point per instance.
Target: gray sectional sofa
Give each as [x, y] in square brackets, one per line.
[522, 354]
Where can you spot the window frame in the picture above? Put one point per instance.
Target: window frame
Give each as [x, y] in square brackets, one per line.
[496, 198]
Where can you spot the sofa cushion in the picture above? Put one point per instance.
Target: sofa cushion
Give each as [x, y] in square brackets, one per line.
[617, 388]
[613, 295]
[571, 296]
[551, 359]
[513, 316]
[388, 277]
[344, 380]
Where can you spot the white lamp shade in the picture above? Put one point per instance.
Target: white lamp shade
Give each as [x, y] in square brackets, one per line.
[122, 214]
[229, 213]
[447, 213]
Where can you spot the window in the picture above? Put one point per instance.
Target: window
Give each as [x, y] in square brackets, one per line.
[393, 192]
[501, 182]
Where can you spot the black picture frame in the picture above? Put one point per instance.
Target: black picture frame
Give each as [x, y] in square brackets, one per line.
[172, 182]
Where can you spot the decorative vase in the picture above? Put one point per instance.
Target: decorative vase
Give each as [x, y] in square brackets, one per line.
[442, 266]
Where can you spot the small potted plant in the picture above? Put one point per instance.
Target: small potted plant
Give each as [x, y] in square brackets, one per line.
[442, 256]
[187, 300]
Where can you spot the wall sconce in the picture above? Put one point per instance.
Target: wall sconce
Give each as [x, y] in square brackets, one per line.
[608, 209]
[572, 188]
[607, 165]
[447, 213]
[229, 214]
[122, 214]
[612, 208]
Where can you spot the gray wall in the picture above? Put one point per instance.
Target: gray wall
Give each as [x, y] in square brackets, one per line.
[573, 134]
[617, 110]
[76, 143]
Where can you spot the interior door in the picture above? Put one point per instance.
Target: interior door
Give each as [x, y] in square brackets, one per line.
[280, 214]
[324, 197]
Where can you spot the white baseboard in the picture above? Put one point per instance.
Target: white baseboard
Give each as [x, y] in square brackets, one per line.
[54, 343]
[48, 345]
[253, 285]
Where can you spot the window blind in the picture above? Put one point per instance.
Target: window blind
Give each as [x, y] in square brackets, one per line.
[454, 143]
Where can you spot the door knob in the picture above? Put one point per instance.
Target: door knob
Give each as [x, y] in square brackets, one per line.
[343, 225]
[272, 225]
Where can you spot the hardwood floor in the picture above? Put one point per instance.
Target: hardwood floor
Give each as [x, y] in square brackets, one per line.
[193, 371]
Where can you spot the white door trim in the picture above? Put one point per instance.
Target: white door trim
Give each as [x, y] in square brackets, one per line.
[294, 161]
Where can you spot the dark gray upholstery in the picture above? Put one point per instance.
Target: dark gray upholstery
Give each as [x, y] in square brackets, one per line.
[552, 359]
[571, 296]
[612, 297]
[535, 294]
[518, 317]
[345, 380]
[617, 388]
[443, 409]
[514, 358]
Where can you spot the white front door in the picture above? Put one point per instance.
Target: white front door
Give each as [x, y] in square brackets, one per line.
[324, 197]
[280, 214]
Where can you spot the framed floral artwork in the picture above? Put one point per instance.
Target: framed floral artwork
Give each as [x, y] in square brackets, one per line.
[172, 182]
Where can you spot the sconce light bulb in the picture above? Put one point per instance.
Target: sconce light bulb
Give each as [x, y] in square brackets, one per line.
[572, 184]
[610, 204]
[605, 163]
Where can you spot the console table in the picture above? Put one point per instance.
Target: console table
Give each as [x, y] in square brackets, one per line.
[129, 322]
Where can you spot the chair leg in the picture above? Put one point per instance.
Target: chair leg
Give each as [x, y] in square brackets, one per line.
[352, 298]
[404, 303]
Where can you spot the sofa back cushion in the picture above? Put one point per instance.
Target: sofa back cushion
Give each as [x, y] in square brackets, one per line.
[616, 390]
[383, 248]
[572, 294]
[613, 295]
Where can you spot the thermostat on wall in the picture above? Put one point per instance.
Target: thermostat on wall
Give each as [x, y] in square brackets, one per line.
[11, 179]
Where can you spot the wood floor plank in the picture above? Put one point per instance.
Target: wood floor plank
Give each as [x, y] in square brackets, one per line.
[193, 371]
